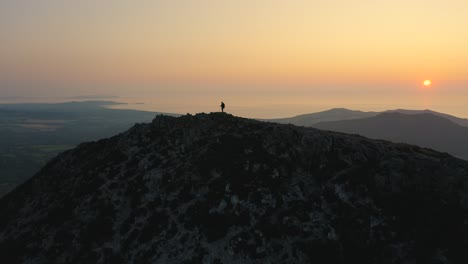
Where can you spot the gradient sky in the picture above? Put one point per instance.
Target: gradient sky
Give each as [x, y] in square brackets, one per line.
[159, 47]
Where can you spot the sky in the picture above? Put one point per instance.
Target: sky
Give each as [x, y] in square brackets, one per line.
[339, 53]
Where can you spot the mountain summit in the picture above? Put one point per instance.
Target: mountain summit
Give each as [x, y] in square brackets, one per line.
[213, 188]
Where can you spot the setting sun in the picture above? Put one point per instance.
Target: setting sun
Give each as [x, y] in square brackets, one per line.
[427, 82]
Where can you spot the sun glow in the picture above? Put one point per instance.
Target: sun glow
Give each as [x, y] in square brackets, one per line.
[427, 83]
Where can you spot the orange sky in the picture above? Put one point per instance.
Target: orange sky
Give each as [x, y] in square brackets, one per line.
[122, 47]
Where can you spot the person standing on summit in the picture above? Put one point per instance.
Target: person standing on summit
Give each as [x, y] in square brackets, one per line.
[222, 106]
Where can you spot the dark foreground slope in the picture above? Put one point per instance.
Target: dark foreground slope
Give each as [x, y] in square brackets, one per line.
[220, 189]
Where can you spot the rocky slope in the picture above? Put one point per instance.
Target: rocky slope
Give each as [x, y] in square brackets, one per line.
[220, 189]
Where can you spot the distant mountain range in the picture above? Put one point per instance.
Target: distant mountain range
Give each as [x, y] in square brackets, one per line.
[339, 114]
[456, 120]
[334, 114]
[426, 128]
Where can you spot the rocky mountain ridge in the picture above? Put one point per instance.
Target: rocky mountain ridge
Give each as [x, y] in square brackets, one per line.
[213, 188]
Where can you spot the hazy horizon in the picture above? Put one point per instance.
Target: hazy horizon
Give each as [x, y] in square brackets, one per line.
[254, 107]
[263, 58]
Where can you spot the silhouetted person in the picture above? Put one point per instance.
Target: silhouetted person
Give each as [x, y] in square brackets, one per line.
[222, 106]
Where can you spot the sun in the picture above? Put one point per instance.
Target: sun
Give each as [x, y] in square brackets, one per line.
[427, 83]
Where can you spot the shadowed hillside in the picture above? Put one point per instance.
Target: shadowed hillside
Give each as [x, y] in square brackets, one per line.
[427, 130]
[454, 119]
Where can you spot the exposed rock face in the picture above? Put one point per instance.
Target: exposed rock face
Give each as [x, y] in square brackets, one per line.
[220, 189]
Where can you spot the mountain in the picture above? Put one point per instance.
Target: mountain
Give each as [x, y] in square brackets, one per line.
[340, 114]
[456, 120]
[427, 130]
[334, 114]
[213, 188]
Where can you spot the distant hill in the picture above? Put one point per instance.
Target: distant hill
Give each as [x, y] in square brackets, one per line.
[457, 120]
[221, 189]
[427, 130]
[334, 114]
[338, 114]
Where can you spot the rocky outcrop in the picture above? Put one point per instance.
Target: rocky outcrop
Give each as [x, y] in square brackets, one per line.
[213, 188]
